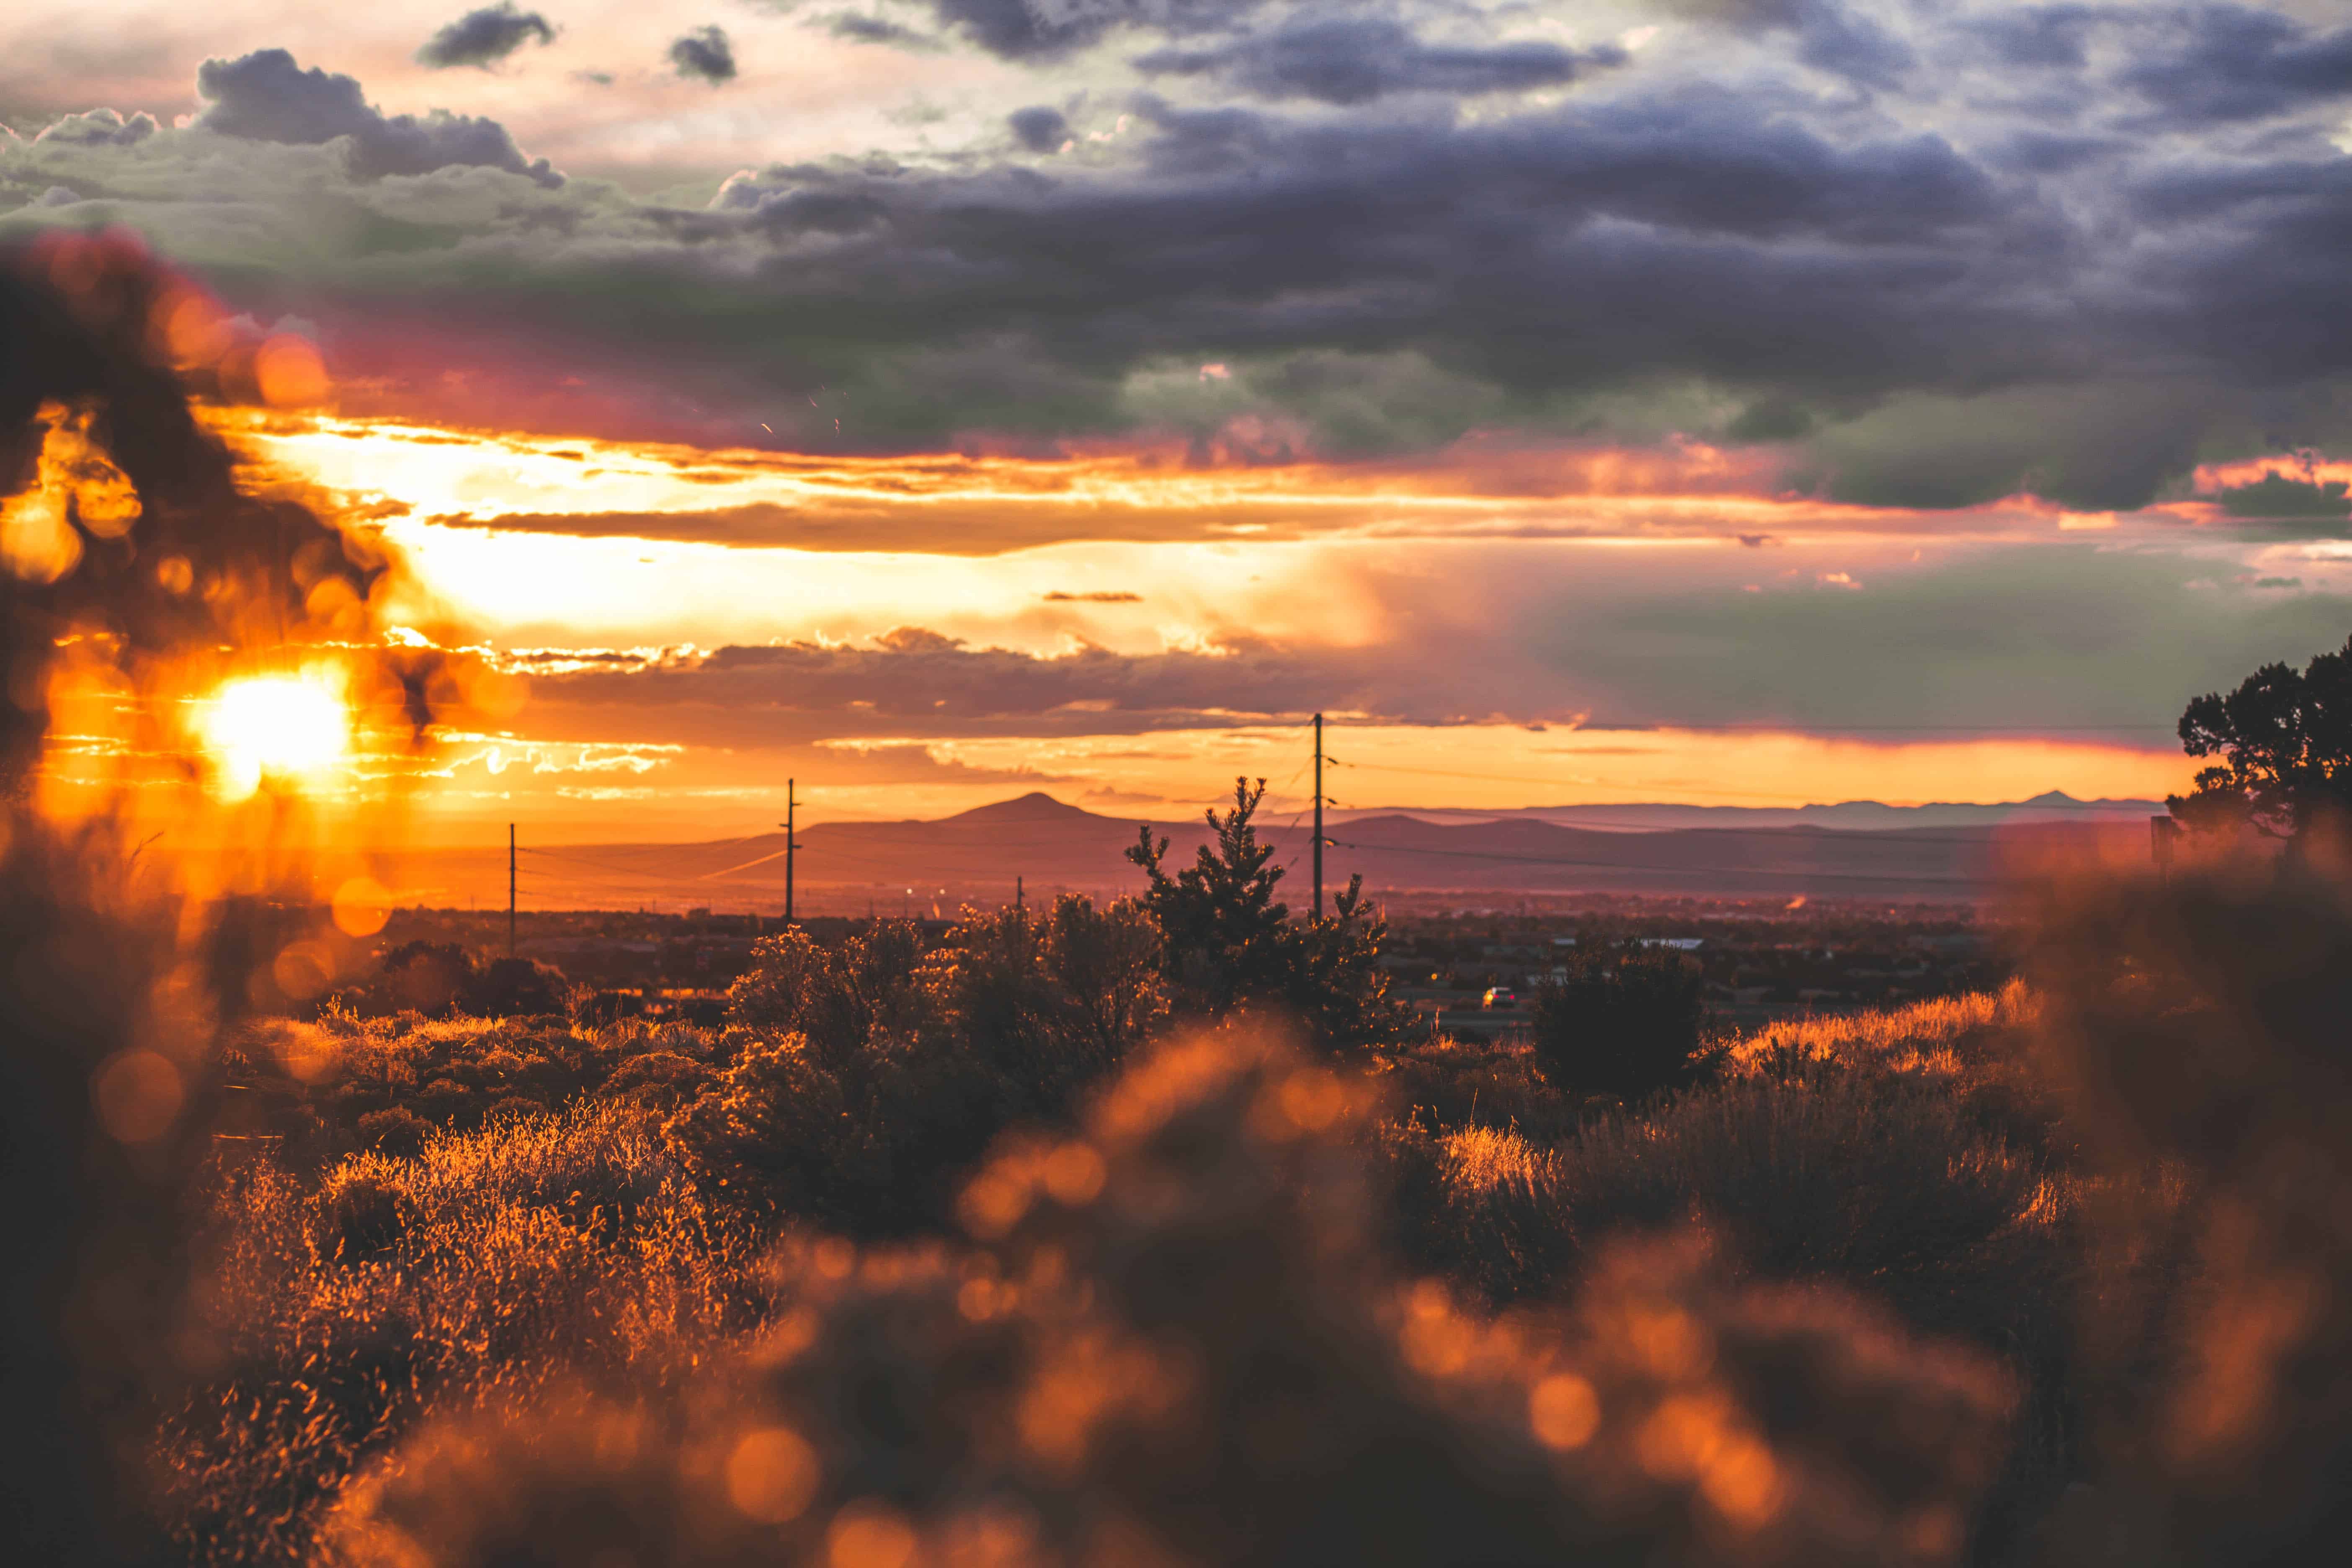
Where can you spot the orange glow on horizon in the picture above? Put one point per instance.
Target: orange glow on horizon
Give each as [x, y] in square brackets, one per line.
[700, 794]
[566, 545]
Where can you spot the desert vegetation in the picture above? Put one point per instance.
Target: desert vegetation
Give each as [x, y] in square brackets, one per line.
[1038, 1246]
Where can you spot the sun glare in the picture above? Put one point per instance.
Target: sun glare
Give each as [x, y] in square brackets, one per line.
[290, 728]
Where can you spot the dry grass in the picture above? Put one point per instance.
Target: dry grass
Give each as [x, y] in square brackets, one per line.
[1943, 1034]
[535, 1251]
[1164, 1342]
[1908, 1155]
[1446, 1083]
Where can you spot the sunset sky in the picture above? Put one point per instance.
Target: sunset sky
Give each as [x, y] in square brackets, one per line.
[1731, 402]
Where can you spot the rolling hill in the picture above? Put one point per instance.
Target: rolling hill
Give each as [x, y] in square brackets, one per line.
[915, 866]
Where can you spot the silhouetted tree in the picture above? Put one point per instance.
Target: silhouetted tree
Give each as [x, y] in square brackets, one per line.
[1627, 1022]
[1338, 985]
[1225, 932]
[516, 988]
[2284, 741]
[1230, 942]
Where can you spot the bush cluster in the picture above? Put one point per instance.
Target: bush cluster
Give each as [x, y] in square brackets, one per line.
[1164, 1338]
[439, 979]
[875, 1071]
[1229, 1304]
[1627, 1022]
[351, 1082]
[476, 1275]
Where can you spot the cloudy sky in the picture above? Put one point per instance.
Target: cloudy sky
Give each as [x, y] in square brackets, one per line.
[1723, 401]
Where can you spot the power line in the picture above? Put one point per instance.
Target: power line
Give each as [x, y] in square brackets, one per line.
[604, 865]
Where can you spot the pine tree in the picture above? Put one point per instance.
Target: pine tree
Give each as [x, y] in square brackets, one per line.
[1224, 930]
[1229, 941]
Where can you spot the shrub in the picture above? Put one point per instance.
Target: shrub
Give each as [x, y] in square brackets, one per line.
[517, 988]
[1883, 1184]
[1107, 962]
[1979, 1049]
[1478, 1207]
[658, 1080]
[1050, 1002]
[396, 1131]
[2201, 1022]
[780, 1131]
[836, 997]
[497, 1265]
[1168, 1343]
[1444, 1084]
[1626, 1022]
[421, 977]
[920, 1060]
[361, 1212]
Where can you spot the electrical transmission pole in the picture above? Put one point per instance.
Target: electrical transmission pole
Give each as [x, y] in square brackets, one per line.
[1318, 816]
[792, 843]
[510, 890]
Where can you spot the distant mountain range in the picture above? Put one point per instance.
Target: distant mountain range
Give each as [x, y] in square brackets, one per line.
[1857, 849]
[1861, 815]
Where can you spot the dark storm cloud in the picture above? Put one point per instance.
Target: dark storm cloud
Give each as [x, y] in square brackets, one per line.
[484, 38]
[267, 97]
[1830, 36]
[860, 28]
[2092, 445]
[1040, 129]
[1891, 303]
[1047, 30]
[1354, 60]
[706, 54]
[1541, 254]
[2274, 498]
[2104, 263]
[2239, 63]
[2051, 36]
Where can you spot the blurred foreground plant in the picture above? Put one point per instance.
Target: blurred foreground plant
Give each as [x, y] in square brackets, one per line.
[1169, 1340]
[2204, 1029]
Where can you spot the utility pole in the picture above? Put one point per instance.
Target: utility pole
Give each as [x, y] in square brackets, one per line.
[510, 890]
[1318, 816]
[792, 843]
[1019, 895]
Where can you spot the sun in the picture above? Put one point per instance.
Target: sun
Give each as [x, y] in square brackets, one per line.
[285, 729]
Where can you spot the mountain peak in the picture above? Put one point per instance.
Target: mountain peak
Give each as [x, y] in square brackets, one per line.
[1034, 807]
